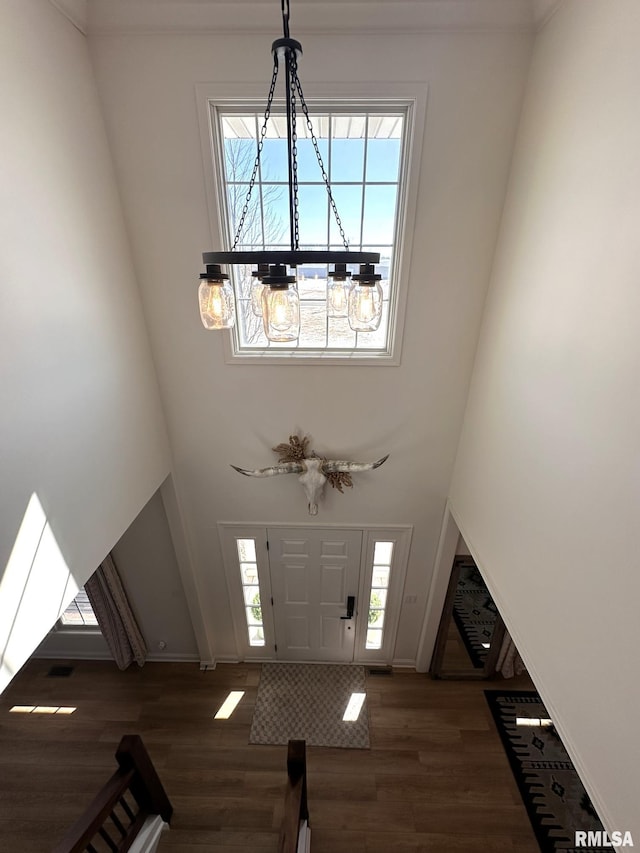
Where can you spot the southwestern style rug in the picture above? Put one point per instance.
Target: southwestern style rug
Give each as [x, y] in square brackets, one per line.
[474, 611]
[307, 702]
[553, 794]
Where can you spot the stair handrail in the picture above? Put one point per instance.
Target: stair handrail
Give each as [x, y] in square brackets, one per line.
[295, 801]
[136, 774]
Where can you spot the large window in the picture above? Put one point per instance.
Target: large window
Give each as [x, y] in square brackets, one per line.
[363, 149]
[79, 614]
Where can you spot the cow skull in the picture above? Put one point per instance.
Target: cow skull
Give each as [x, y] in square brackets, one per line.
[313, 472]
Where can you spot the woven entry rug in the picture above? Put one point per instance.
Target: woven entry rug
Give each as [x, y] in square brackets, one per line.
[553, 794]
[474, 611]
[307, 702]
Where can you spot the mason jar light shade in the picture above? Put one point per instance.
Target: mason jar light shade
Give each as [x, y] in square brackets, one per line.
[217, 308]
[256, 297]
[338, 286]
[257, 287]
[281, 313]
[337, 298]
[365, 306]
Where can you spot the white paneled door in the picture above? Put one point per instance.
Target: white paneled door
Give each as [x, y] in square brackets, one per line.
[314, 573]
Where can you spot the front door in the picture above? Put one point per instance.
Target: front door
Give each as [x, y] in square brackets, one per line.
[313, 573]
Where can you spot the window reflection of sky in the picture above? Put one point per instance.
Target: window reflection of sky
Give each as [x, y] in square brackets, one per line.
[361, 156]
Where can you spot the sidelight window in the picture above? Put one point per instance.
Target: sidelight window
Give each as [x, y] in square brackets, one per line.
[382, 561]
[251, 590]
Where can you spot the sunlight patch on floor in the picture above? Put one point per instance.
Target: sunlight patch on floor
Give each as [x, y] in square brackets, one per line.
[229, 705]
[42, 709]
[354, 706]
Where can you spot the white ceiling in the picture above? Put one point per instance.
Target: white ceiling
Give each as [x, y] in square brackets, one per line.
[392, 16]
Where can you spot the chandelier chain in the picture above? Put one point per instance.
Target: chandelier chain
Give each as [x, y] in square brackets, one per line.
[294, 158]
[316, 147]
[256, 165]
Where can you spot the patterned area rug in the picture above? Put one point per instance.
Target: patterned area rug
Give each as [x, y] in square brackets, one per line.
[474, 611]
[307, 702]
[556, 800]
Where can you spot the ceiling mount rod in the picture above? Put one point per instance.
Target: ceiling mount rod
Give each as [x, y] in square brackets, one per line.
[285, 18]
[291, 151]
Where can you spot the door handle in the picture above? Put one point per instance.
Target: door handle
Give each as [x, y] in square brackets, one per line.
[351, 604]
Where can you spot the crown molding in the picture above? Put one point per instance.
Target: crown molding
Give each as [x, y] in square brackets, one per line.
[309, 16]
[75, 11]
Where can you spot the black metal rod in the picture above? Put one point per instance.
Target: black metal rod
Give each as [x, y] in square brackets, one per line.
[292, 233]
[292, 258]
[285, 17]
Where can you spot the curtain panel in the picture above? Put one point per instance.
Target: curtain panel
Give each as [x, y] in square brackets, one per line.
[115, 617]
[509, 661]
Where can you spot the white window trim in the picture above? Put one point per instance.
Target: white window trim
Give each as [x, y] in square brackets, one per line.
[59, 628]
[410, 96]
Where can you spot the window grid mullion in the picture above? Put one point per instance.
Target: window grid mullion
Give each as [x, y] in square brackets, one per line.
[260, 196]
[364, 177]
[319, 183]
[329, 168]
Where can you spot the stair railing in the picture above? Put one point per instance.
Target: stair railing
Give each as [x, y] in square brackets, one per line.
[295, 822]
[121, 807]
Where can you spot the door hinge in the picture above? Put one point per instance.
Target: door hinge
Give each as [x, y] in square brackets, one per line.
[272, 601]
[267, 544]
[276, 647]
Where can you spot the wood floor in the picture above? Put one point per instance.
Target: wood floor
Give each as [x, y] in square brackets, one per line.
[435, 779]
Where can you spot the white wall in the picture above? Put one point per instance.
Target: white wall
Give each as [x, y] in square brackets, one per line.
[220, 414]
[547, 487]
[462, 548]
[147, 565]
[81, 435]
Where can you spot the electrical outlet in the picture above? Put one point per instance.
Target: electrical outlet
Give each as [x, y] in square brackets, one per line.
[162, 645]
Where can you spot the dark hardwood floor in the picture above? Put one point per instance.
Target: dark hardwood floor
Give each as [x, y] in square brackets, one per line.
[435, 779]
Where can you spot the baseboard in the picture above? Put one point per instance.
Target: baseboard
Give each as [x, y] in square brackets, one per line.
[75, 655]
[83, 655]
[187, 657]
[404, 663]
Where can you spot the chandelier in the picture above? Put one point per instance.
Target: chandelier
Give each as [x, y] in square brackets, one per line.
[274, 293]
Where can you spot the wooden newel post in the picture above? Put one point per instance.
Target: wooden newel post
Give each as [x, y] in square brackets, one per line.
[146, 786]
[295, 800]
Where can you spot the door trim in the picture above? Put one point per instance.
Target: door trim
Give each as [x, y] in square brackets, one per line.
[400, 534]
